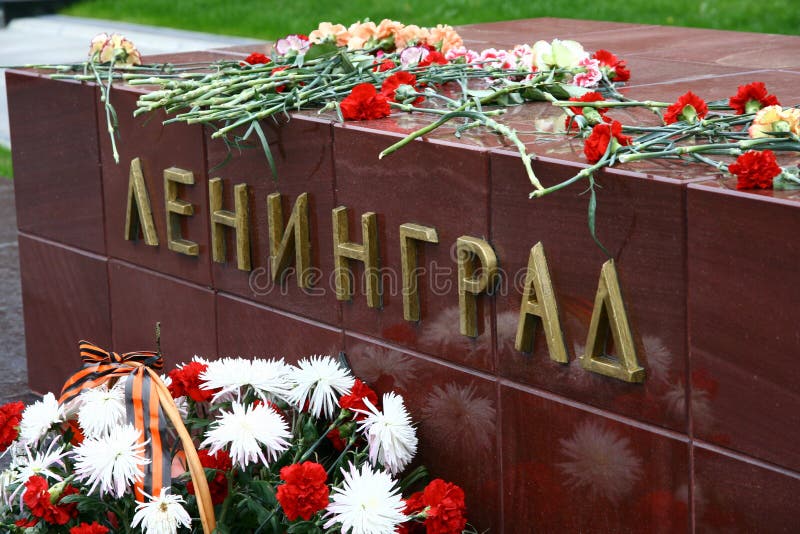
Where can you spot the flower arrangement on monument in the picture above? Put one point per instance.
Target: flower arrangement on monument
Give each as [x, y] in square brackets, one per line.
[232, 445]
[369, 71]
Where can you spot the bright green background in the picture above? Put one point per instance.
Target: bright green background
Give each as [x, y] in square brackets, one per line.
[5, 163]
[270, 19]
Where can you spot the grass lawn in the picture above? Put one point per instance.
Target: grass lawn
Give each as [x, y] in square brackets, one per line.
[5, 163]
[270, 19]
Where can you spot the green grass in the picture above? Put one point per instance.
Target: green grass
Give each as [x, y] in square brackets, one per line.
[270, 19]
[6, 171]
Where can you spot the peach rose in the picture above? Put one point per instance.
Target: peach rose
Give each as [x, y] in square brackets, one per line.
[97, 43]
[388, 28]
[117, 48]
[775, 119]
[326, 31]
[361, 34]
[444, 38]
[409, 36]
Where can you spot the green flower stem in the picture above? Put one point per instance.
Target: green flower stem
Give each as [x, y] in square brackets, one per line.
[726, 148]
[611, 104]
[583, 174]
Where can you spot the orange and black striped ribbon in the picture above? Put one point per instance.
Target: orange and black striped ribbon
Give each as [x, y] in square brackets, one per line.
[143, 407]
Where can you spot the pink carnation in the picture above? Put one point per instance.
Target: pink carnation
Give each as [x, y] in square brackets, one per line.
[591, 74]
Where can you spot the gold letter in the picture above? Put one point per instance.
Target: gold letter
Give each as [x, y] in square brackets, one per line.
[239, 220]
[539, 300]
[609, 314]
[176, 208]
[469, 248]
[344, 249]
[294, 237]
[143, 217]
[408, 253]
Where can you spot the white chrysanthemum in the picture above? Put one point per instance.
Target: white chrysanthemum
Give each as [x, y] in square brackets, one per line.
[33, 463]
[391, 438]
[38, 418]
[248, 430]
[162, 515]
[600, 462]
[367, 503]
[317, 380]
[112, 461]
[456, 414]
[267, 377]
[101, 409]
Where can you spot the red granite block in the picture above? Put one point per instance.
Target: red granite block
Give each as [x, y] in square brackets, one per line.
[435, 184]
[66, 299]
[641, 222]
[140, 298]
[456, 414]
[57, 177]
[302, 151]
[743, 335]
[251, 330]
[732, 494]
[566, 469]
[158, 147]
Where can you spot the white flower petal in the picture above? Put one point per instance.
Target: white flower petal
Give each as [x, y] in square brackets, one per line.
[367, 503]
[391, 438]
[162, 515]
[318, 380]
[112, 461]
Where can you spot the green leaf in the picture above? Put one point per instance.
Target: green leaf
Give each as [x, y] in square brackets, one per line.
[592, 216]
[321, 50]
[786, 181]
[265, 145]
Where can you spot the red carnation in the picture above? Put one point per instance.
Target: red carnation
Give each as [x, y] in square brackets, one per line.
[89, 528]
[305, 491]
[10, 416]
[752, 97]
[390, 85]
[38, 499]
[616, 69]
[365, 103]
[355, 400]
[689, 108]
[598, 141]
[447, 507]
[755, 169]
[186, 382]
[257, 58]
[433, 57]
[592, 96]
[335, 437]
[383, 66]
[217, 486]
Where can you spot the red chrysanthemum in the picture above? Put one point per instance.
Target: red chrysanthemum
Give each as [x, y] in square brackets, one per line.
[390, 85]
[433, 57]
[617, 70]
[591, 96]
[10, 415]
[688, 107]
[89, 528]
[752, 97]
[304, 492]
[217, 486]
[37, 499]
[365, 103]
[383, 66]
[755, 169]
[257, 58]
[447, 507]
[355, 399]
[602, 134]
[186, 382]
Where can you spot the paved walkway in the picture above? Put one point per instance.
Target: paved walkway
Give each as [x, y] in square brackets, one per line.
[53, 39]
[58, 38]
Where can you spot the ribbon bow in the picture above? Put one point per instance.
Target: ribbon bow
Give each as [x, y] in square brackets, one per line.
[147, 401]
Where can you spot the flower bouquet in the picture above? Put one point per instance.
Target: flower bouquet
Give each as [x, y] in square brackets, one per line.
[226, 446]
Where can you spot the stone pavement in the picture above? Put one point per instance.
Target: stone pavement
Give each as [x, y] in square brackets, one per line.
[58, 38]
[53, 39]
